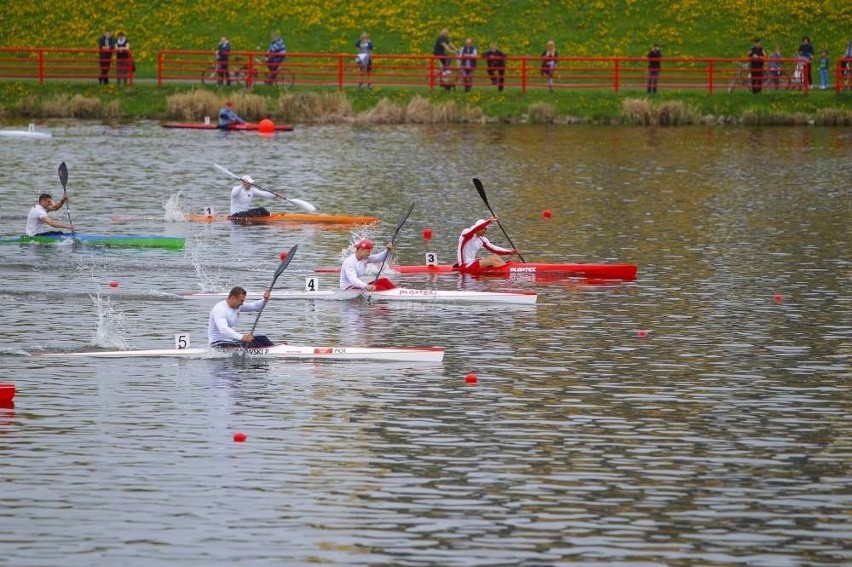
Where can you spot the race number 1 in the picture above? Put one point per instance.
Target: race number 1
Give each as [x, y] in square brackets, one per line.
[181, 341]
[208, 211]
[311, 284]
[431, 259]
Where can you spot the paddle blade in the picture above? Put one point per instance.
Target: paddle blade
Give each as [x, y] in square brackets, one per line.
[481, 190]
[63, 174]
[284, 264]
[304, 205]
[225, 171]
[402, 222]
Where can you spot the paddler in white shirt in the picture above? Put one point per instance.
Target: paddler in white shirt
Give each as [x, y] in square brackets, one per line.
[242, 194]
[38, 219]
[224, 317]
[355, 266]
[470, 242]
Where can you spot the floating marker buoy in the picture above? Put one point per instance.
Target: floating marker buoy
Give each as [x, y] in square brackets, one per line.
[283, 255]
[778, 298]
[266, 126]
[547, 214]
[113, 283]
[471, 378]
[642, 333]
[239, 436]
[427, 233]
[7, 392]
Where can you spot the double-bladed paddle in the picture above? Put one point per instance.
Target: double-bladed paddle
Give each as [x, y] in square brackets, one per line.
[281, 267]
[304, 205]
[395, 233]
[63, 179]
[481, 190]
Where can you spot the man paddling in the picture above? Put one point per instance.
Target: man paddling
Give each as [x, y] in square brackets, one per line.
[242, 195]
[227, 116]
[38, 218]
[223, 319]
[355, 266]
[471, 240]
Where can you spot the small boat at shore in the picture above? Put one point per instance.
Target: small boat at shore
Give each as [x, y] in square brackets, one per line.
[245, 127]
[317, 218]
[523, 270]
[522, 297]
[115, 241]
[30, 132]
[281, 351]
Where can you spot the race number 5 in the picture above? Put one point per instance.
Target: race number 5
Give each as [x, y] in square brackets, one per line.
[181, 341]
[431, 259]
[311, 284]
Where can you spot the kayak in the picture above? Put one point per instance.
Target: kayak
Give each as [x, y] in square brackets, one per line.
[248, 127]
[117, 241]
[624, 272]
[30, 132]
[287, 217]
[285, 351]
[523, 297]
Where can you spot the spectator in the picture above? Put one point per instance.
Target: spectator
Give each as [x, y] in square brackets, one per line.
[228, 117]
[443, 49]
[364, 59]
[467, 62]
[654, 56]
[822, 65]
[496, 61]
[548, 62]
[807, 50]
[106, 44]
[756, 59]
[122, 57]
[775, 67]
[275, 57]
[223, 56]
[847, 66]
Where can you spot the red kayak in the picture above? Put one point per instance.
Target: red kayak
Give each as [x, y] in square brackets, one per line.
[623, 272]
[245, 127]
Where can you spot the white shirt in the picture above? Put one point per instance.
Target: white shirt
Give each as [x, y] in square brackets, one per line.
[353, 270]
[469, 245]
[35, 221]
[241, 198]
[223, 319]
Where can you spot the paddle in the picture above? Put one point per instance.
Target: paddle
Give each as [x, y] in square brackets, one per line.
[481, 190]
[281, 267]
[304, 205]
[63, 178]
[395, 233]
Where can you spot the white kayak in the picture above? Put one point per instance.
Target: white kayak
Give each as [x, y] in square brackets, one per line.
[523, 297]
[30, 132]
[315, 353]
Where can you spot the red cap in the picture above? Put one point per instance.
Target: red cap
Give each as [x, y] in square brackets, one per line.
[364, 244]
[229, 103]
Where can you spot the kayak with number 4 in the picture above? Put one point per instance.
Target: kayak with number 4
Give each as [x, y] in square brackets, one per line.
[523, 297]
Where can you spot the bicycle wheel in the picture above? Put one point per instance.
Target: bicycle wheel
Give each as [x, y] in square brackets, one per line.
[238, 77]
[285, 78]
[209, 76]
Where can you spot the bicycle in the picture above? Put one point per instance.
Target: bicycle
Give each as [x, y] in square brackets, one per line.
[213, 76]
[283, 76]
[741, 78]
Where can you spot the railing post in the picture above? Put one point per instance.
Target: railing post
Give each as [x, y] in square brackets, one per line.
[250, 71]
[524, 76]
[340, 72]
[616, 73]
[432, 74]
[41, 66]
[710, 77]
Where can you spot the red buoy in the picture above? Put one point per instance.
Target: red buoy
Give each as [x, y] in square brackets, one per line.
[113, 283]
[471, 378]
[266, 126]
[427, 233]
[642, 333]
[283, 256]
[239, 436]
[547, 214]
[7, 392]
[778, 298]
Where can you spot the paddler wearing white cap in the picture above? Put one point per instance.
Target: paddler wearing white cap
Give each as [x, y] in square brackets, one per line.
[242, 194]
[470, 242]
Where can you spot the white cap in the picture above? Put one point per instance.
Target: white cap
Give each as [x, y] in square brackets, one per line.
[247, 179]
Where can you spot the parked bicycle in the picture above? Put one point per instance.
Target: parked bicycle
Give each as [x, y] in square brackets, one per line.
[236, 76]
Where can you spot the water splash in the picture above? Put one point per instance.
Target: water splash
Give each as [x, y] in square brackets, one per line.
[207, 283]
[172, 208]
[111, 331]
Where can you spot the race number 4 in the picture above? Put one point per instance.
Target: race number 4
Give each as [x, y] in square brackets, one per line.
[181, 341]
[311, 284]
[431, 259]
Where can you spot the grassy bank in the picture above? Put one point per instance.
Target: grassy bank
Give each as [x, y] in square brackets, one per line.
[29, 101]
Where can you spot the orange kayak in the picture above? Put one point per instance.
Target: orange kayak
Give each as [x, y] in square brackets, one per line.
[288, 217]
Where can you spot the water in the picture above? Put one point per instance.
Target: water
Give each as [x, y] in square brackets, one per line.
[719, 437]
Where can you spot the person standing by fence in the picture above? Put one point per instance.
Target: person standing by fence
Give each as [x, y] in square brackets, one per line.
[106, 44]
[364, 58]
[654, 56]
[496, 62]
[223, 56]
[807, 49]
[548, 62]
[467, 62]
[122, 57]
[275, 57]
[822, 65]
[443, 48]
[756, 59]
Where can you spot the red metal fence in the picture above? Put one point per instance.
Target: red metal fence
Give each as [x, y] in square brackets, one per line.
[338, 70]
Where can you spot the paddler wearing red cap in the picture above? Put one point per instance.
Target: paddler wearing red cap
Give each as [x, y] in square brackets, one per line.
[227, 116]
[470, 242]
[355, 266]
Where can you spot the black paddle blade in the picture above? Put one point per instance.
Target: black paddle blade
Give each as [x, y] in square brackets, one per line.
[402, 222]
[481, 190]
[284, 264]
[63, 174]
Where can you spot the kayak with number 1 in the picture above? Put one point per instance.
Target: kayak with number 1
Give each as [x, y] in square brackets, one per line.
[318, 218]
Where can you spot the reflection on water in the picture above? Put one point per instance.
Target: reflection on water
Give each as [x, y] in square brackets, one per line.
[697, 416]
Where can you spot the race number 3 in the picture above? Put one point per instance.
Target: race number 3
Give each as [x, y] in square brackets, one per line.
[431, 259]
[181, 341]
[311, 284]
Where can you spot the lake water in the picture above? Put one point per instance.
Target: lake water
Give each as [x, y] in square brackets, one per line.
[700, 415]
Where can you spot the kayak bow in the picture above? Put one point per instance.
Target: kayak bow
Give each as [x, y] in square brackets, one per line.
[118, 241]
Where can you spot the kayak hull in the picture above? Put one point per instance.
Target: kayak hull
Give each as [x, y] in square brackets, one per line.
[283, 351]
[118, 241]
[288, 217]
[521, 270]
[249, 127]
[522, 297]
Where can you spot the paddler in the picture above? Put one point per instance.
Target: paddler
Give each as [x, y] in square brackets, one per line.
[471, 240]
[38, 218]
[242, 194]
[355, 266]
[223, 319]
[227, 116]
